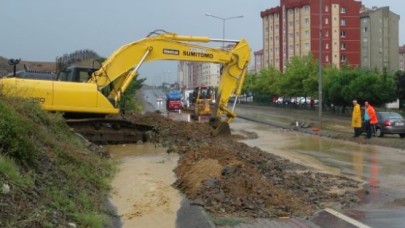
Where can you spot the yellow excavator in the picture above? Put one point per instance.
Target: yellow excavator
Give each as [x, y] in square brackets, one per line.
[202, 100]
[85, 90]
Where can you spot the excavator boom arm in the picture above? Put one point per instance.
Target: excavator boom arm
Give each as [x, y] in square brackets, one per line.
[122, 66]
[106, 85]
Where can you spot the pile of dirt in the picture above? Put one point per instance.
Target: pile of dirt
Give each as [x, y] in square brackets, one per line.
[229, 178]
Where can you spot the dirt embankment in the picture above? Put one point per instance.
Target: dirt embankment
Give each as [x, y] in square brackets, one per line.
[229, 178]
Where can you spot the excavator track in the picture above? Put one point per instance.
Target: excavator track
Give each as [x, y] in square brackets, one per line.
[105, 131]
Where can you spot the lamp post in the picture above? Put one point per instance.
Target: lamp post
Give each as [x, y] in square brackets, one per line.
[224, 19]
[320, 66]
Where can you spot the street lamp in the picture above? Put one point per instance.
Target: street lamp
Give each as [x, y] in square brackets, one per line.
[320, 100]
[224, 19]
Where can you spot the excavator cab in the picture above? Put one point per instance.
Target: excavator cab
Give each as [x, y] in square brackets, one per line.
[75, 74]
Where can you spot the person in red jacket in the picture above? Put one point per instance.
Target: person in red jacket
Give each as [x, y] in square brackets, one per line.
[370, 118]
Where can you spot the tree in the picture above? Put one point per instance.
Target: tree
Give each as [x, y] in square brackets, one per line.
[265, 83]
[127, 101]
[75, 57]
[400, 84]
[375, 87]
[300, 77]
[249, 82]
[344, 85]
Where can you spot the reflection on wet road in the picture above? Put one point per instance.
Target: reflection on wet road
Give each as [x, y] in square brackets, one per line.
[382, 168]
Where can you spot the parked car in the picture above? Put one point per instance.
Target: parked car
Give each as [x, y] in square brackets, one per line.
[390, 123]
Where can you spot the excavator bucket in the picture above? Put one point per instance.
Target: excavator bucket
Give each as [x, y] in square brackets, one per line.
[221, 128]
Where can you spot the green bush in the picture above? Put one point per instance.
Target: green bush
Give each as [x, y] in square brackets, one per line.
[15, 134]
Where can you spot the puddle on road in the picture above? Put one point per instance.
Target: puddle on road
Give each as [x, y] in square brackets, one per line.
[363, 162]
[142, 191]
[380, 167]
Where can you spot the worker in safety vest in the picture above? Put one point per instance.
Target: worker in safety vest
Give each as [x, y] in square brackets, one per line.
[370, 119]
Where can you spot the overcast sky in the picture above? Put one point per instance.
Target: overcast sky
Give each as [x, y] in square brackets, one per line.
[40, 30]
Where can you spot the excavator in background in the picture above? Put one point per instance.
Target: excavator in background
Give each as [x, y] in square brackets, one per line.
[96, 92]
[203, 101]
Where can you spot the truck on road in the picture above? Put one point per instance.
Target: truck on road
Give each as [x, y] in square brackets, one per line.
[173, 101]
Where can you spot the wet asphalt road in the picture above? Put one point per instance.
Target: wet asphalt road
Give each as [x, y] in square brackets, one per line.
[382, 169]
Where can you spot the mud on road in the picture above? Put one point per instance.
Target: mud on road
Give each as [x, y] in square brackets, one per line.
[230, 179]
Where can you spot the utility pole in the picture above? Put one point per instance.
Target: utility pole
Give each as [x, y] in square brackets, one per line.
[320, 66]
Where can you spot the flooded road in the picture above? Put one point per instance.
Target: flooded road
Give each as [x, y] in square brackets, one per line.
[382, 204]
[381, 168]
[142, 191]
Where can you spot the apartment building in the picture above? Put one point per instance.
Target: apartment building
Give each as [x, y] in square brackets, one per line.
[294, 29]
[379, 39]
[193, 74]
[402, 58]
[259, 61]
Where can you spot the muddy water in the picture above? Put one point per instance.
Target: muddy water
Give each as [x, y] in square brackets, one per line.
[381, 168]
[142, 191]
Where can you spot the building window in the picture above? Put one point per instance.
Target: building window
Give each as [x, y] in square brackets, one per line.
[326, 46]
[326, 8]
[327, 33]
[327, 58]
[306, 33]
[365, 29]
[306, 8]
[326, 21]
[307, 45]
[306, 21]
[343, 22]
[343, 34]
[342, 46]
[343, 58]
[343, 10]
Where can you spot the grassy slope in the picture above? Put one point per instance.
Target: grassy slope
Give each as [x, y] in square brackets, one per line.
[54, 179]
